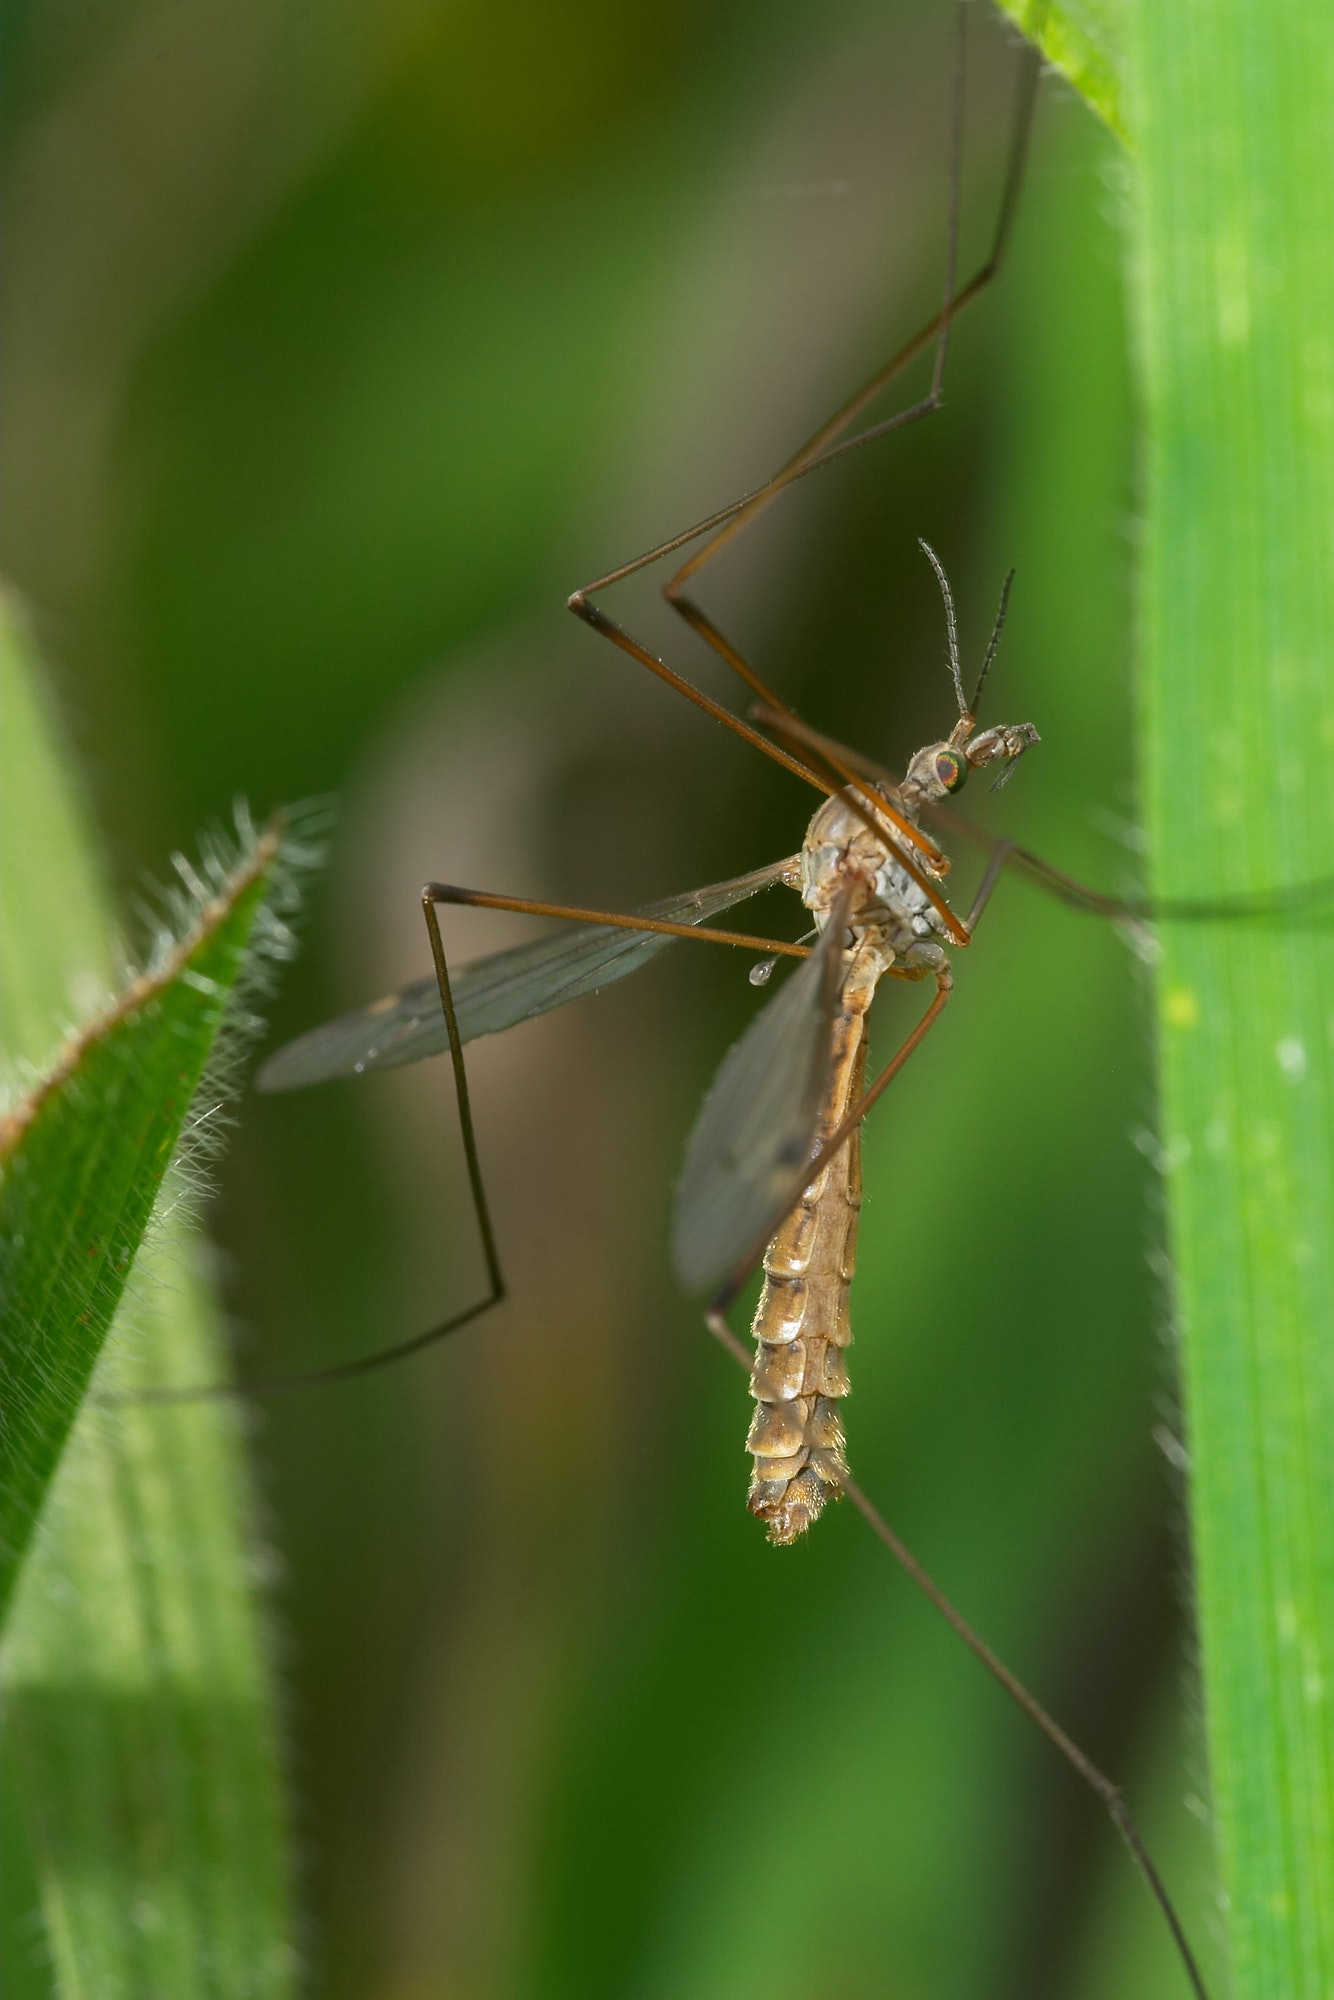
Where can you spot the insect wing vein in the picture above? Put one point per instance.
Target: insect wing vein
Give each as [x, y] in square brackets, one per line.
[495, 992]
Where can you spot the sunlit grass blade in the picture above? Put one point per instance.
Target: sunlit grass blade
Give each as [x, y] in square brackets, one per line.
[143, 1828]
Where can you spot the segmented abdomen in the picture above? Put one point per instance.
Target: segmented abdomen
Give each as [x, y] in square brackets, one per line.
[801, 1324]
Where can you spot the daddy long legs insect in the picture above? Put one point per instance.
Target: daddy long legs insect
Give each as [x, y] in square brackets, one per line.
[789, 1095]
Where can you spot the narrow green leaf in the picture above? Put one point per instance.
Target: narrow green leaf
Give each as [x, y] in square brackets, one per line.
[1085, 39]
[1231, 116]
[144, 1839]
[82, 1155]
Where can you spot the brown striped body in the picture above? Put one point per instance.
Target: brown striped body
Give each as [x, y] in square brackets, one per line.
[801, 1325]
[889, 904]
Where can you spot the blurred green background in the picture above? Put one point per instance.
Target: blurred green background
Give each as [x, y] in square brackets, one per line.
[342, 343]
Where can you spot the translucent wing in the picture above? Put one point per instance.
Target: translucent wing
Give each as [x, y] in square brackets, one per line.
[749, 1152]
[494, 993]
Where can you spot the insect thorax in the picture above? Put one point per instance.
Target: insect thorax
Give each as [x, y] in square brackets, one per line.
[839, 849]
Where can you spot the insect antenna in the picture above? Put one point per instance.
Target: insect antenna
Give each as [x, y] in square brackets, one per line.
[993, 643]
[951, 625]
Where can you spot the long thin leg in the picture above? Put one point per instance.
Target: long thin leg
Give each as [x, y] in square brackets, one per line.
[827, 748]
[813, 450]
[433, 894]
[828, 443]
[1000, 854]
[1291, 900]
[907, 1047]
[825, 445]
[384, 1357]
[446, 892]
[593, 615]
[1103, 1787]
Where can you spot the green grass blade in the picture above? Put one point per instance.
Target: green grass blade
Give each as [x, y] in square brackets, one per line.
[1235, 214]
[144, 1841]
[82, 1155]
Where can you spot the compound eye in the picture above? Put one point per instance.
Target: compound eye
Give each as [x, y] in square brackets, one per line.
[951, 770]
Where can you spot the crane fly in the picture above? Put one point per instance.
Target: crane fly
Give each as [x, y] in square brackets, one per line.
[774, 1159]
